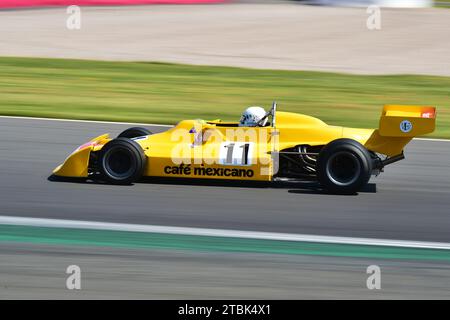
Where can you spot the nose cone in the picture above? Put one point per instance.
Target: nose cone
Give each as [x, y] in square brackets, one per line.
[76, 165]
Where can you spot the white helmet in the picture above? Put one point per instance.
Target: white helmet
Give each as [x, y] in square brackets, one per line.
[251, 116]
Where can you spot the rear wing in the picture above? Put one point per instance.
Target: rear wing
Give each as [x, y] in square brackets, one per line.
[407, 121]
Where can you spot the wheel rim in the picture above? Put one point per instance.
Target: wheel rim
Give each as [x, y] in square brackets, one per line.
[118, 163]
[343, 168]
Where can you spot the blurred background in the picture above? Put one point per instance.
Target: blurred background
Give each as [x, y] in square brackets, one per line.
[341, 63]
[160, 61]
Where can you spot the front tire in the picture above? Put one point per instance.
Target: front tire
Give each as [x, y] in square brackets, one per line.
[344, 166]
[122, 161]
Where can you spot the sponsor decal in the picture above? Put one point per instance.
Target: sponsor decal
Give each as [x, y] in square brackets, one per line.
[87, 145]
[198, 136]
[427, 114]
[187, 170]
[406, 126]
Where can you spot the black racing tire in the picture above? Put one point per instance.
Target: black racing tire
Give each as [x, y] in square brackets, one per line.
[134, 132]
[122, 161]
[344, 166]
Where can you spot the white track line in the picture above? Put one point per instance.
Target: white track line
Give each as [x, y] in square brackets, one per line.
[431, 139]
[86, 121]
[145, 124]
[92, 225]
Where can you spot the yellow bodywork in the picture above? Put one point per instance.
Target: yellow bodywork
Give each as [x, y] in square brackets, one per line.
[198, 148]
[76, 164]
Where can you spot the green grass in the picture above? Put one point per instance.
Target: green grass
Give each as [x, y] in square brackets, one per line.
[442, 3]
[167, 93]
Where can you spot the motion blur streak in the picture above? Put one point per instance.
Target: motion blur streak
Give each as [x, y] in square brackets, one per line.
[269, 36]
[53, 3]
[37, 272]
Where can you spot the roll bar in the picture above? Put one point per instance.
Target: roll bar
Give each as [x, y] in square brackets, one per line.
[272, 113]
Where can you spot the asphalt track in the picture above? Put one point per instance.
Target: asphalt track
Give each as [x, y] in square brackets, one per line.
[410, 203]
[38, 272]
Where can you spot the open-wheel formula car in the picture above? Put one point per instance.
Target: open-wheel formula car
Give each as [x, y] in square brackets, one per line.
[277, 146]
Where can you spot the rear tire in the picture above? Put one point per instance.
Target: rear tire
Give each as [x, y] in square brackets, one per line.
[344, 166]
[134, 132]
[122, 161]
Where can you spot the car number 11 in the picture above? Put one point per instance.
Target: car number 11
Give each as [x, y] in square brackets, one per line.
[236, 153]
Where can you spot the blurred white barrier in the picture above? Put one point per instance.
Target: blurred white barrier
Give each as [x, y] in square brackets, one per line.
[381, 3]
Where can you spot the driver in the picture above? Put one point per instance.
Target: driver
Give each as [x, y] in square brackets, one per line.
[251, 117]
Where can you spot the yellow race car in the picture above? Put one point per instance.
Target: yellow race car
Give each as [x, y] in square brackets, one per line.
[280, 145]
